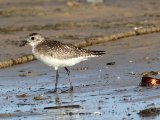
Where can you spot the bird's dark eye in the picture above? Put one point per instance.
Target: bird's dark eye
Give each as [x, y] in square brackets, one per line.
[32, 38]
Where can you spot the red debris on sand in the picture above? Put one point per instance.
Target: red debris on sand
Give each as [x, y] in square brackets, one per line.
[149, 81]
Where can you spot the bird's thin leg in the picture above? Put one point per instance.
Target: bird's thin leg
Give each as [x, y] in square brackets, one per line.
[70, 82]
[56, 82]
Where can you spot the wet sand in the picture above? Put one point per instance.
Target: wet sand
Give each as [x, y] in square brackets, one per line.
[102, 91]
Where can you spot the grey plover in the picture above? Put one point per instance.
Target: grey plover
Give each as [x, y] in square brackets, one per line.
[57, 54]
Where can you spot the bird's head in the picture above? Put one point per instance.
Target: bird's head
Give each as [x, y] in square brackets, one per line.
[33, 39]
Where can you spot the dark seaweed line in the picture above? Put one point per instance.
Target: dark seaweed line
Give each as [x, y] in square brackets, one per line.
[85, 43]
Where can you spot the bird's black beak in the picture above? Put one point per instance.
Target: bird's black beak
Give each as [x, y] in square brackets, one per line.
[23, 43]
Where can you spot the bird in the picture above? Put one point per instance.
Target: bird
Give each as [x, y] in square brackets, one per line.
[58, 55]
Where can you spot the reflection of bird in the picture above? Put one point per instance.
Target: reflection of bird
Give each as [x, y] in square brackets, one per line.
[57, 54]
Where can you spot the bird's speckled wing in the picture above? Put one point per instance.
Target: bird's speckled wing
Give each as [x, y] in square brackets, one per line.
[60, 50]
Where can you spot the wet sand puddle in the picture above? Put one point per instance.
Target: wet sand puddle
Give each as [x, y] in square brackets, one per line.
[119, 103]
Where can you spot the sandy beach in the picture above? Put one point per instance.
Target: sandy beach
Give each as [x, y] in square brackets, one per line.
[101, 90]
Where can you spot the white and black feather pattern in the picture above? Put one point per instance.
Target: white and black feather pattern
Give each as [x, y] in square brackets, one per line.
[57, 54]
[61, 51]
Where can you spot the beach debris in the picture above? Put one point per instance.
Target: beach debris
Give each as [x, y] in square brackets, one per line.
[96, 113]
[38, 97]
[150, 73]
[149, 81]
[22, 95]
[66, 106]
[111, 63]
[153, 111]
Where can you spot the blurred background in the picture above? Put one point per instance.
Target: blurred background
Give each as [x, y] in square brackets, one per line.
[70, 20]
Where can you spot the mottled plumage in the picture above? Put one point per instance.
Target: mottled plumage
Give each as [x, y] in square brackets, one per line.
[57, 54]
[63, 51]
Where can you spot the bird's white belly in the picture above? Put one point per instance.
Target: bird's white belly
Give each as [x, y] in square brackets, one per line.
[60, 63]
